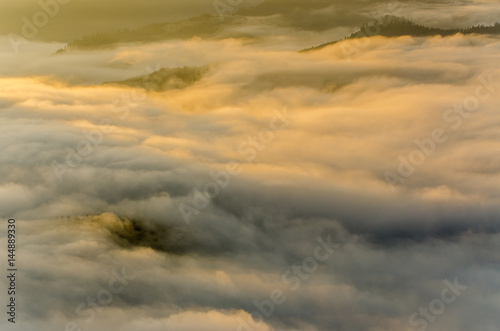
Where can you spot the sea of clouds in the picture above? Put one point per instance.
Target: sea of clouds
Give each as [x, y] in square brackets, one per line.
[350, 206]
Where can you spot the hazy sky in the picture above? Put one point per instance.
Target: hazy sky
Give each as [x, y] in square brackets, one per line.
[76, 17]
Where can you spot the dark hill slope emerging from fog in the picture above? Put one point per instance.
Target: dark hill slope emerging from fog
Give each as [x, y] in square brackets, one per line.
[392, 26]
[165, 79]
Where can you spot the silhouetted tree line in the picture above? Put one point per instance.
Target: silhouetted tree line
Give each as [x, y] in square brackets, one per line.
[392, 26]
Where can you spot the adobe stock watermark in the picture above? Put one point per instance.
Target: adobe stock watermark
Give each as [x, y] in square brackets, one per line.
[201, 197]
[426, 315]
[226, 7]
[293, 277]
[95, 137]
[454, 118]
[104, 297]
[30, 27]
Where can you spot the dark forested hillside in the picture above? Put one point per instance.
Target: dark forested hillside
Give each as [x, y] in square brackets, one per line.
[165, 79]
[391, 26]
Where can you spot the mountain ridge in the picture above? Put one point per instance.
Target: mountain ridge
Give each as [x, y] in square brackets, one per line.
[393, 26]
